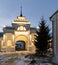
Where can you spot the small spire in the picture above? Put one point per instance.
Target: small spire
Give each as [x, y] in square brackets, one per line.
[21, 11]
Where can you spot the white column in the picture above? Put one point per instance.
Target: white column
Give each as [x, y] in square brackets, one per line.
[4, 39]
[13, 43]
[30, 46]
[30, 39]
[13, 40]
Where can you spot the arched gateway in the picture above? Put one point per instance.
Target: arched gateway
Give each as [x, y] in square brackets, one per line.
[19, 36]
[20, 45]
[21, 42]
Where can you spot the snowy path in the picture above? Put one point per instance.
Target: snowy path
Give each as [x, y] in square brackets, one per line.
[18, 62]
[23, 63]
[16, 59]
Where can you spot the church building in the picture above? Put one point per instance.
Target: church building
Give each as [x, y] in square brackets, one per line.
[19, 37]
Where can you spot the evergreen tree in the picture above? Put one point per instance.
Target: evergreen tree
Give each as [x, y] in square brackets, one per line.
[42, 37]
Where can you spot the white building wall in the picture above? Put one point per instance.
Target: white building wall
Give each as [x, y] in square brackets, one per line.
[54, 20]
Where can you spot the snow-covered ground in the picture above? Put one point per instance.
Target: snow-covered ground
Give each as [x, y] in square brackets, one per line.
[16, 59]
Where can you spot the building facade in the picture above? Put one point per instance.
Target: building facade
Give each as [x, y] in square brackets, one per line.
[54, 19]
[19, 37]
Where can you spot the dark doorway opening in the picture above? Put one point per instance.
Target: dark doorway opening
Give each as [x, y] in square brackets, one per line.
[20, 45]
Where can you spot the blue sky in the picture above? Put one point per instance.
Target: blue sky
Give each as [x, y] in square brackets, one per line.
[32, 9]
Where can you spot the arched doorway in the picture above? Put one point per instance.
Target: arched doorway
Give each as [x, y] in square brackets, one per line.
[21, 40]
[20, 45]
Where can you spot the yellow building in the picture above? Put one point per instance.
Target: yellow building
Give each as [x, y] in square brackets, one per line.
[18, 37]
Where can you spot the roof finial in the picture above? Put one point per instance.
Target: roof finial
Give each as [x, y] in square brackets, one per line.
[21, 11]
